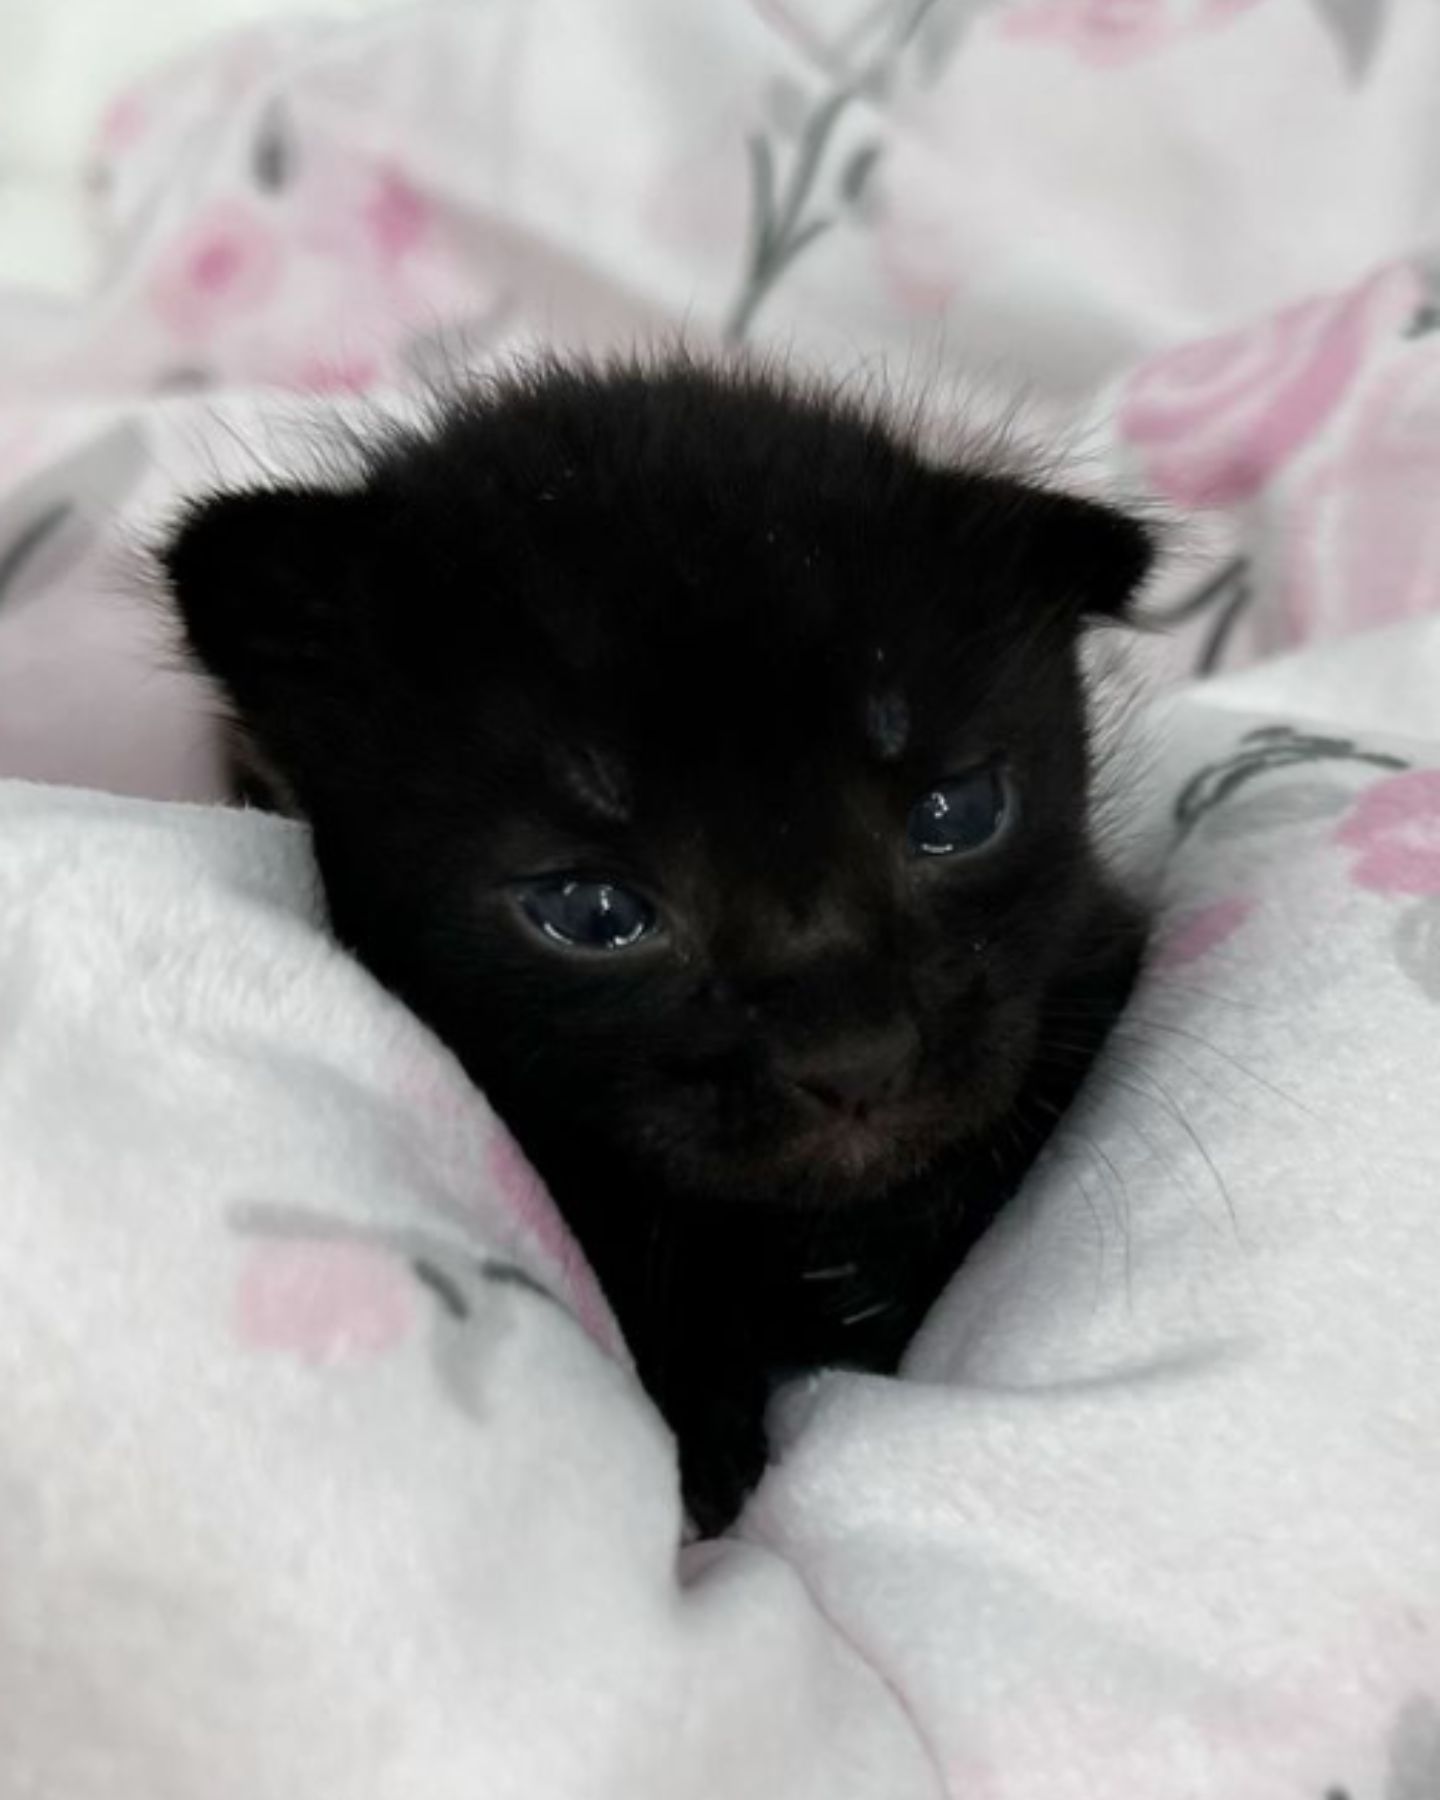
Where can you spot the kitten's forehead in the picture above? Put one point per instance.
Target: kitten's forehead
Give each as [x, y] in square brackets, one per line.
[789, 738]
[596, 780]
[887, 723]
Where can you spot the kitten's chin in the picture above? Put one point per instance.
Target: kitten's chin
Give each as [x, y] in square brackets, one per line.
[857, 1162]
[806, 1158]
[845, 1163]
[850, 1161]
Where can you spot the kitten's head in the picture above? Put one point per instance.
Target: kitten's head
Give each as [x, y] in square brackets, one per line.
[708, 769]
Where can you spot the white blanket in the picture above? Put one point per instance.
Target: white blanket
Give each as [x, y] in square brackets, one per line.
[307, 1488]
[304, 1488]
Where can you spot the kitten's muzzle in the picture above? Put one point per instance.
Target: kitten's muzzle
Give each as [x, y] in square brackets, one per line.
[854, 1077]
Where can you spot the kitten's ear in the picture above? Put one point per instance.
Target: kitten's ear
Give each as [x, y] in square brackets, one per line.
[1084, 555]
[268, 581]
[1043, 554]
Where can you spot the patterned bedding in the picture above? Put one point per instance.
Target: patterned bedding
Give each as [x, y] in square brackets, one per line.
[321, 1469]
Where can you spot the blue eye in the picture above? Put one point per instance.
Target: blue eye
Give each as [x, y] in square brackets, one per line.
[587, 915]
[963, 814]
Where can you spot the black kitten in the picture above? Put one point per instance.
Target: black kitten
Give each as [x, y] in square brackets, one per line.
[712, 773]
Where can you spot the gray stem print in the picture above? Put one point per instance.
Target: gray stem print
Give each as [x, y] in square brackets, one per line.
[1357, 28]
[1417, 950]
[474, 1307]
[1226, 596]
[50, 521]
[1413, 1772]
[1293, 803]
[1261, 752]
[1415, 1752]
[273, 154]
[785, 215]
[1426, 317]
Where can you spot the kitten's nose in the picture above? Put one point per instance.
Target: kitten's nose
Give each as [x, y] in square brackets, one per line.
[858, 1074]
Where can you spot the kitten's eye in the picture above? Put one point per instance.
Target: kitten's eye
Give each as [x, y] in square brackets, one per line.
[964, 814]
[587, 915]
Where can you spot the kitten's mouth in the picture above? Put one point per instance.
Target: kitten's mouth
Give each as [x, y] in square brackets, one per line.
[857, 1155]
[807, 1152]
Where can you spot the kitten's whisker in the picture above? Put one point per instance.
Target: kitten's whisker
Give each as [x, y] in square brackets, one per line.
[1135, 1029]
[1164, 1098]
[1185, 988]
[1122, 1200]
[1099, 1155]
[1123, 1072]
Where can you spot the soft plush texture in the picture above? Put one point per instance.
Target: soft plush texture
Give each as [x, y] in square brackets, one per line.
[309, 1488]
[305, 1488]
[294, 1499]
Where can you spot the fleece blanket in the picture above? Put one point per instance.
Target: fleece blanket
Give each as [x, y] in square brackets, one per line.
[323, 1470]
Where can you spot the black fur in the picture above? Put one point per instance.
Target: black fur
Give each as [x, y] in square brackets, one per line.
[712, 637]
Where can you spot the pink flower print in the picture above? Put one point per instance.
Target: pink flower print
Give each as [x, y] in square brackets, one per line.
[335, 374]
[1108, 33]
[325, 1302]
[920, 284]
[1215, 420]
[919, 230]
[508, 1189]
[1360, 537]
[1196, 933]
[397, 217]
[524, 1196]
[1395, 826]
[915, 237]
[225, 265]
[122, 125]
[1098, 31]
